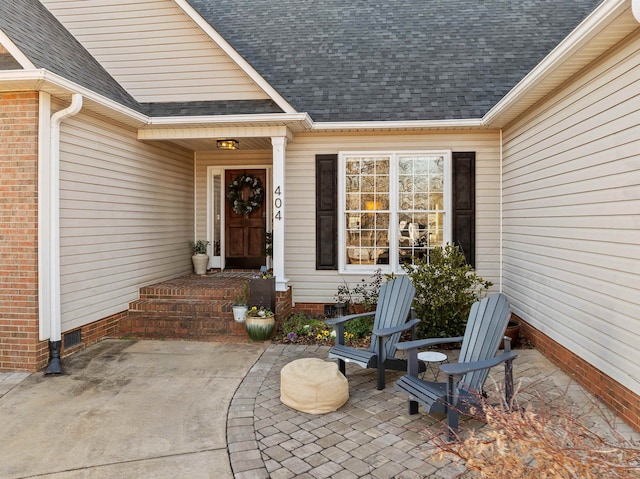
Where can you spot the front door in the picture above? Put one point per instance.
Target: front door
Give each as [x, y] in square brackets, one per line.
[246, 224]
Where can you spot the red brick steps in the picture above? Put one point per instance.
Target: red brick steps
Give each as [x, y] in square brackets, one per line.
[191, 308]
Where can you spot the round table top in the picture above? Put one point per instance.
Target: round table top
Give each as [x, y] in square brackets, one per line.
[432, 356]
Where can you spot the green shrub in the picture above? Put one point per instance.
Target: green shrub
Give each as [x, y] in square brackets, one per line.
[302, 329]
[363, 294]
[302, 325]
[446, 287]
[359, 327]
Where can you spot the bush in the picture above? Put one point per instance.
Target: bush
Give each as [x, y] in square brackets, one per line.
[362, 294]
[446, 287]
[299, 328]
[536, 445]
[301, 325]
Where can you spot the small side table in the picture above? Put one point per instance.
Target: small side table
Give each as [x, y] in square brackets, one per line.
[432, 361]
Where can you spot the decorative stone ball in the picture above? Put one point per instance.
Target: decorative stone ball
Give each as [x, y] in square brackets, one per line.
[313, 386]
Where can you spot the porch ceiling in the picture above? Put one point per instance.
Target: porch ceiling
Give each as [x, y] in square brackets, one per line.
[209, 144]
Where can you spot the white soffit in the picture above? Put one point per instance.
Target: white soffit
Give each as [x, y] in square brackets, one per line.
[607, 25]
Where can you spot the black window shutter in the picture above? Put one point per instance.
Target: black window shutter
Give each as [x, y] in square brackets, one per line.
[326, 211]
[464, 204]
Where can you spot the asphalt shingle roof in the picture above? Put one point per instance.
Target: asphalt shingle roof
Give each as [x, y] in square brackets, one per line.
[232, 107]
[41, 37]
[393, 59]
[356, 60]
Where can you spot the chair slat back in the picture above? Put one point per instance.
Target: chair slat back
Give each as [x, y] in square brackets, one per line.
[487, 322]
[394, 305]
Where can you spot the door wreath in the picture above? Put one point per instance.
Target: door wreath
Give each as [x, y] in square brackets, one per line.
[256, 196]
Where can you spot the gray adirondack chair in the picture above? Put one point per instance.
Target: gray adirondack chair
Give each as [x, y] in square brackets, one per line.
[391, 314]
[465, 379]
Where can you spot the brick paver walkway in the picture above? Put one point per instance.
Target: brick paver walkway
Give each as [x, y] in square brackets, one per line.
[371, 436]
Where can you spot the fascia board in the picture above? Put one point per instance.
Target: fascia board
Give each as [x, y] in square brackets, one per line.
[234, 55]
[283, 118]
[44, 80]
[583, 33]
[396, 125]
[15, 52]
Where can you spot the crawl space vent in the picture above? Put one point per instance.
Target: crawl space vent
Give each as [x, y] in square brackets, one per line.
[72, 339]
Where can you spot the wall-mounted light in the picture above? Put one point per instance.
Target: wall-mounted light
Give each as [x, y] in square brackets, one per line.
[228, 144]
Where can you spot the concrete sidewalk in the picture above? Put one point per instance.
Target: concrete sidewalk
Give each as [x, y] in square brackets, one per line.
[156, 409]
[126, 409]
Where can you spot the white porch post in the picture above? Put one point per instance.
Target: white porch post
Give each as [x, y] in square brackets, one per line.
[279, 214]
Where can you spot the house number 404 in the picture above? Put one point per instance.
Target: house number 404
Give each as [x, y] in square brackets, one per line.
[277, 203]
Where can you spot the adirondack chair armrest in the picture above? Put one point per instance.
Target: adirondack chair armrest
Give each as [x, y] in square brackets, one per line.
[344, 319]
[423, 343]
[390, 331]
[459, 369]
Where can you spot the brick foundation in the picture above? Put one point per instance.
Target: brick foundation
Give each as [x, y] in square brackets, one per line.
[284, 304]
[310, 309]
[94, 332]
[20, 348]
[620, 399]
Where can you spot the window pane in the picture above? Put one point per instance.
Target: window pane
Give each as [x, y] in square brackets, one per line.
[420, 195]
[382, 183]
[353, 201]
[373, 226]
[353, 184]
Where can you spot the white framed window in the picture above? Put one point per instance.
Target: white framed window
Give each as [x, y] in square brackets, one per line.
[393, 206]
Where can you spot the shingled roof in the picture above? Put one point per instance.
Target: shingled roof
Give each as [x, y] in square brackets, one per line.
[47, 44]
[343, 61]
[361, 60]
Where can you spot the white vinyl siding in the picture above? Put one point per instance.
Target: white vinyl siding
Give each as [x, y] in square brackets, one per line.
[572, 215]
[154, 50]
[314, 286]
[126, 216]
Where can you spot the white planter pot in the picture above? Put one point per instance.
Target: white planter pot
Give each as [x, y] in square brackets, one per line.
[240, 313]
[200, 263]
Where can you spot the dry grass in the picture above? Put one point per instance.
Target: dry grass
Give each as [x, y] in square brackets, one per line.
[542, 445]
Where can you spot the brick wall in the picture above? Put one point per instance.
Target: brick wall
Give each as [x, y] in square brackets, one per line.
[620, 399]
[284, 301]
[20, 349]
[94, 332]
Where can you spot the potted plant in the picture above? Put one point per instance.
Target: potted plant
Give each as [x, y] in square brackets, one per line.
[199, 257]
[260, 323]
[262, 289]
[240, 306]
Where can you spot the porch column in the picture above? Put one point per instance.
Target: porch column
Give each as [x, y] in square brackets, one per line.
[278, 197]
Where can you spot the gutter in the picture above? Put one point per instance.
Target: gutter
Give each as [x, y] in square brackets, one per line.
[44, 80]
[268, 118]
[55, 336]
[397, 125]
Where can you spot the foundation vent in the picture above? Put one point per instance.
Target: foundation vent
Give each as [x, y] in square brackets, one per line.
[72, 339]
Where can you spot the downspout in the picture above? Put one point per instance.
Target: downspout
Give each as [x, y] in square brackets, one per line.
[55, 338]
[501, 216]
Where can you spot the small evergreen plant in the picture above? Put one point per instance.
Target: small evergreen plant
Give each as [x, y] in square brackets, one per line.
[198, 247]
[446, 287]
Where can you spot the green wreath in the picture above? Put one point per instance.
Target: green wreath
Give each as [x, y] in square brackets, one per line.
[240, 182]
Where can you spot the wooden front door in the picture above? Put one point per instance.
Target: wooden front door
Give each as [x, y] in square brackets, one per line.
[245, 233]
